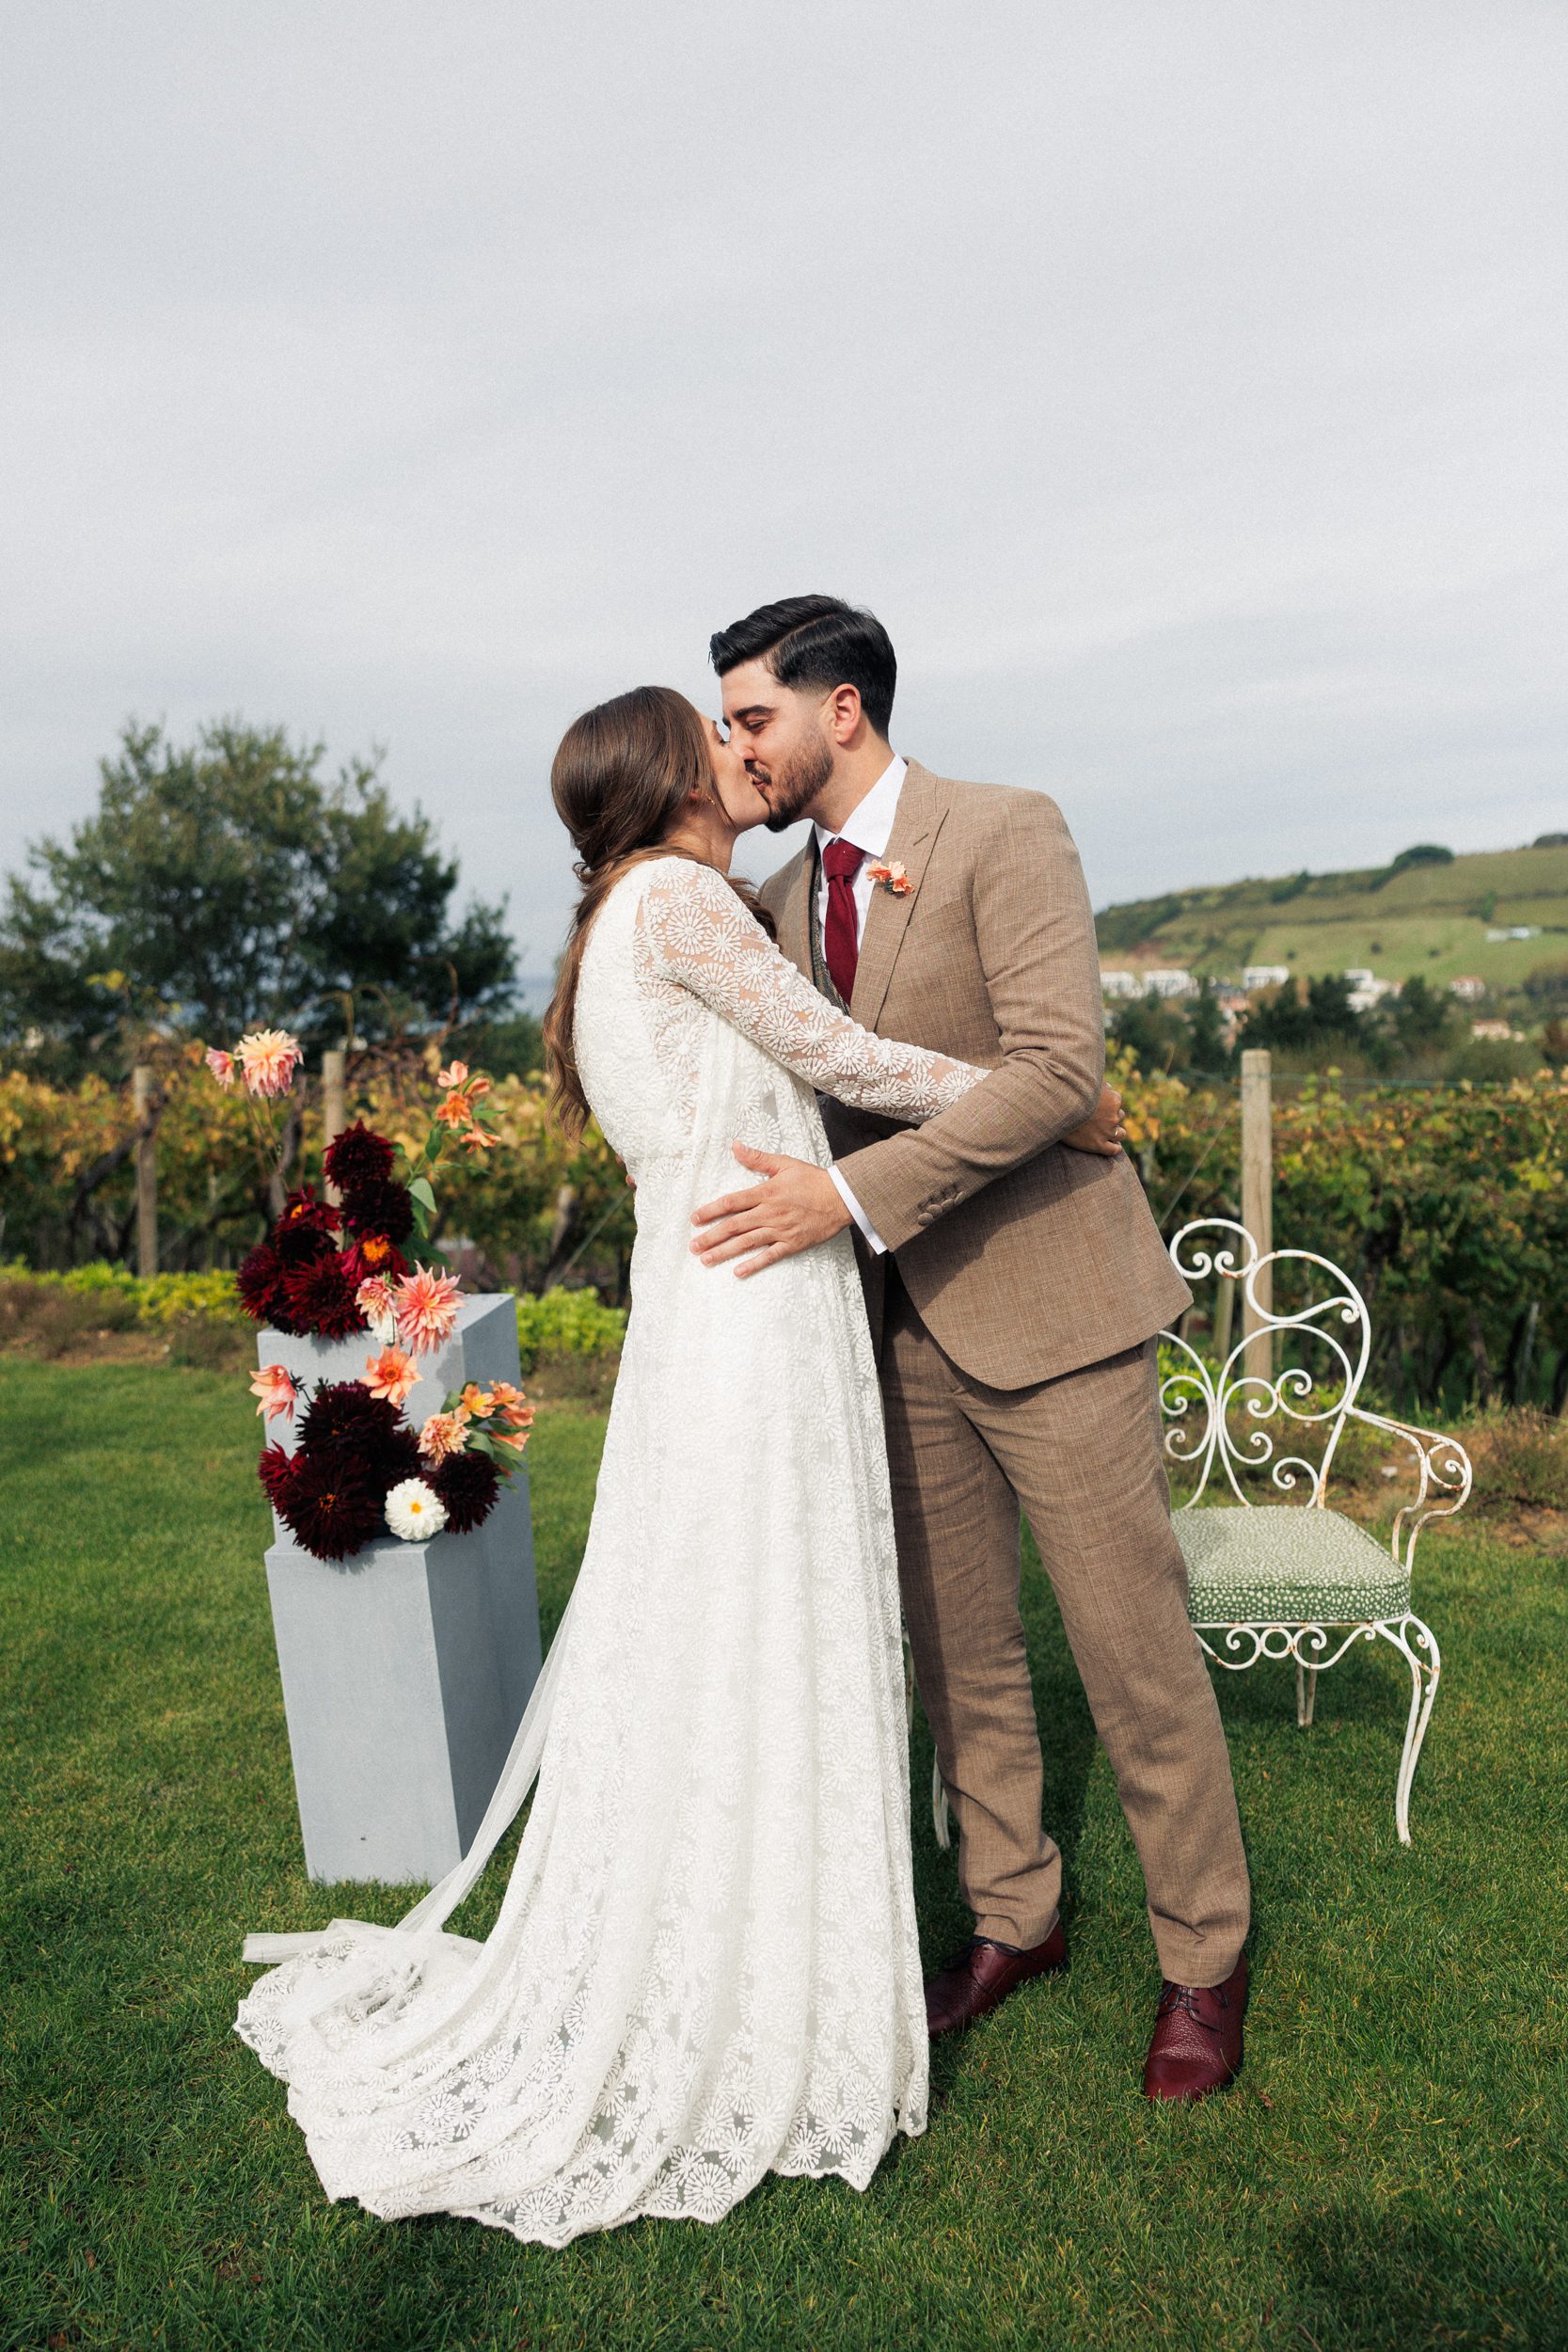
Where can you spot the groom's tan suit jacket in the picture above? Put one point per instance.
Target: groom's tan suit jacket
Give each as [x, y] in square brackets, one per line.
[1024, 1260]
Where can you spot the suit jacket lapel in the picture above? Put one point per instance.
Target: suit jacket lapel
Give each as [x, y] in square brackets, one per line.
[921, 810]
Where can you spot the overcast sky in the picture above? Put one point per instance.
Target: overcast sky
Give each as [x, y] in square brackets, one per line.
[1184, 386]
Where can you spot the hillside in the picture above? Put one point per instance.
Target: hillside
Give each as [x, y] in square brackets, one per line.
[1429, 918]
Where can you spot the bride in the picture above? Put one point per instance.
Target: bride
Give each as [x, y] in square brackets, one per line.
[705, 1966]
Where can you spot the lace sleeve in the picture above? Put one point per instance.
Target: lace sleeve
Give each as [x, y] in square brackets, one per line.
[700, 935]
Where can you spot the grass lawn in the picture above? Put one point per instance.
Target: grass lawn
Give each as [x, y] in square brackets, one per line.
[1389, 2173]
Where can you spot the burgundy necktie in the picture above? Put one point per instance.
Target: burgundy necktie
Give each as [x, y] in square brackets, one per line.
[841, 863]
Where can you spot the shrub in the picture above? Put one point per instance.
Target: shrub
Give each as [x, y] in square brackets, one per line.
[567, 1323]
[200, 1318]
[48, 1319]
[211, 1343]
[1520, 1456]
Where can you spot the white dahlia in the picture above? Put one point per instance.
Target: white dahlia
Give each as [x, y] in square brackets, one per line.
[415, 1510]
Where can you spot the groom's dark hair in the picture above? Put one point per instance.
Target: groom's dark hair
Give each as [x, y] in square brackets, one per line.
[815, 640]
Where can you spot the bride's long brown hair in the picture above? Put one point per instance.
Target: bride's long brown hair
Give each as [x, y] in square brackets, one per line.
[620, 779]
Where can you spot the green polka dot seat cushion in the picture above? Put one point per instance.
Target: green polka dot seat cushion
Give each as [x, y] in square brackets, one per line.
[1286, 1564]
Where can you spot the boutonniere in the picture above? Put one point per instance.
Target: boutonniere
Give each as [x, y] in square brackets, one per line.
[890, 874]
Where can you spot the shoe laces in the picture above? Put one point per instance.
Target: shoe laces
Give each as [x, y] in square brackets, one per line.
[1174, 1996]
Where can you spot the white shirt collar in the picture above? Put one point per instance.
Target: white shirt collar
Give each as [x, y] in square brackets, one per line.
[869, 825]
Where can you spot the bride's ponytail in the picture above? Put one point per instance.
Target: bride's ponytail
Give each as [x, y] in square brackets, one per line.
[620, 779]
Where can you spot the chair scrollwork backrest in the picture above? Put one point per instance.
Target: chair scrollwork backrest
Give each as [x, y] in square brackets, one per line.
[1219, 1414]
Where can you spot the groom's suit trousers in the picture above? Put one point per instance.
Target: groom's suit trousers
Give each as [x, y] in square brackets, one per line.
[1080, 1453]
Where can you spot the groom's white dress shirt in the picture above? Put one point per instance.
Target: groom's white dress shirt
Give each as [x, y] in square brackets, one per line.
[869, 827]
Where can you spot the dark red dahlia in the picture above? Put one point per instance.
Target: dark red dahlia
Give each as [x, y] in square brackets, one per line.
[357, 1156]
[260, 1283]
[300, 1244]
[374, 1255]
[345, 1420]
[378, 1207]
[468, 1484]
[397, 1459]
[274, 1470]
[321, 1298]
[303, 1208]
[332, 1507]
[346, 1423]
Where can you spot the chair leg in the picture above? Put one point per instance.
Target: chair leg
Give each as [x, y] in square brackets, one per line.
[1307, 1693]
[1418, 1645]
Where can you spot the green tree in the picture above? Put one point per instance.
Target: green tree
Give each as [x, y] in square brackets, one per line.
[1152, 1029]
[1422, 1015]
[225, 884]
[1423, 853]
[512, 1048]
[1206, 1049]
[1289, 1023]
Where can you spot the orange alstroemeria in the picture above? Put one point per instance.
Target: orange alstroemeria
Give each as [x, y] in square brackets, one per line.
[511, 1403]
[274, 1390]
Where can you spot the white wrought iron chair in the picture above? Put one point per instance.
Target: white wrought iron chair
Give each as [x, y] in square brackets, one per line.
[1295, 1580]
[1290, 1579]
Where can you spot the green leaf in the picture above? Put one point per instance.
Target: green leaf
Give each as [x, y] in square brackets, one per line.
[421, 1193]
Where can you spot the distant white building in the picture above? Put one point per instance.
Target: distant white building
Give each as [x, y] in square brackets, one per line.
[1468, 988]
[1163, 983]
[1367, 989]
[1258, 975]
[1234, 1006]
[1499, 1029]
[1516, 930]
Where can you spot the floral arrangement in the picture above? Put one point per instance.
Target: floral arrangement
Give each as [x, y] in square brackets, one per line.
[338, 1268]
[889, 876]
[359, 1467]
[334, 1267]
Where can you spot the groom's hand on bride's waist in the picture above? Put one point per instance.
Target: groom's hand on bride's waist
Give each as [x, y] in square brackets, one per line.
[795, 1206]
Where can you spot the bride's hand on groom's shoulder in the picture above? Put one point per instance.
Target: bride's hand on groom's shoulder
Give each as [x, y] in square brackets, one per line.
[797, 1206]
[1103, 1130]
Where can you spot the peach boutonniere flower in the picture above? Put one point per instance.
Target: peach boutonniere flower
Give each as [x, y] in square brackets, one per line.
[890, 874]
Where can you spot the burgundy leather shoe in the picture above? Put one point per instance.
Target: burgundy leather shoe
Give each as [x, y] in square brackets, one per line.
[982, 1976]
[1197, 2038]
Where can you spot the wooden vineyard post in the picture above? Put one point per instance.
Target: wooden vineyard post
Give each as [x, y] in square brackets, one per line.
[147, 1170]
[334, 1101]
[1257, 1204]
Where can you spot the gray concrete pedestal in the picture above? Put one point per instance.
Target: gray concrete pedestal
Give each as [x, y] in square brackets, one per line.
[405, 1669]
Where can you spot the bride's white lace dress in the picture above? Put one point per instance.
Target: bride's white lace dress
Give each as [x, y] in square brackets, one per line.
[705, 1966]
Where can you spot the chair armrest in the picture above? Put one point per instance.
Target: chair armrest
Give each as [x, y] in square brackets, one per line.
[1443, 1479]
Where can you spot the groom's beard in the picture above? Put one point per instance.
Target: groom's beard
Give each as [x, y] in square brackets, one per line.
[792, 788]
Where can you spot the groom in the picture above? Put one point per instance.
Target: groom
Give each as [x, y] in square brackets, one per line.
[1015, 1289]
